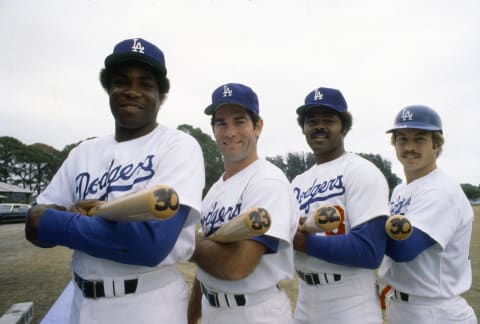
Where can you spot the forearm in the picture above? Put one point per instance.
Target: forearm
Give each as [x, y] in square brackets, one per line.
[363, 247]
[230, 261]
[138, 243]
[409, 249]
[195, 303]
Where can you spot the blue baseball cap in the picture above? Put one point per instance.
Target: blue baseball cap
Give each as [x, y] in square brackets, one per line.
[140, 50]
[324, 97]
[234, 93]
[417, 117]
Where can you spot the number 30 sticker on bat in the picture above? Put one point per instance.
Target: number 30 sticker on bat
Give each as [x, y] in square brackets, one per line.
[253, 222]
[154, 203]
[325, 219]
[398, 227]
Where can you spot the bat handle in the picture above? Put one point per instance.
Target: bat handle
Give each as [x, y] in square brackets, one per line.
[258, 220]
[398, 227]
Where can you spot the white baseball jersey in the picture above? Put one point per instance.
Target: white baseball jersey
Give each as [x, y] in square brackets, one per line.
[105, 169]
[437, 206]
[351, 183]
[261, 184]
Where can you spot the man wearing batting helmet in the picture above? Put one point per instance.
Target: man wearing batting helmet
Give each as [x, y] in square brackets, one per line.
[429, 270]
[124, 272]
[239, 280]
[336, 268]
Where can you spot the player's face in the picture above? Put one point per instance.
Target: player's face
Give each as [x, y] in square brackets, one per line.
[416, 151]
[134, 100]
[323, 132]
[236, 136]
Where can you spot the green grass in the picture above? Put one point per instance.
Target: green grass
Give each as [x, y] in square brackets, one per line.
[473, 295]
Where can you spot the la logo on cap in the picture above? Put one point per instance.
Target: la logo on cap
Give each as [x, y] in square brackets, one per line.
[137, 46]
[406, 115]
[318, 95]
[227, 92]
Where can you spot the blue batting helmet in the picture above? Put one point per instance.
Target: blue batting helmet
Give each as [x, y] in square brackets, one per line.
[418, 117]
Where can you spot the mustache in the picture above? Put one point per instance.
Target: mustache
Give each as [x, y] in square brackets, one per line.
[319, 131]
[410, 153]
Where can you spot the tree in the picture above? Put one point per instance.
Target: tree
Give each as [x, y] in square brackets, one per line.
[472, 192]
[30, 166]
[212, 156]
[10, 148]
[294, 163]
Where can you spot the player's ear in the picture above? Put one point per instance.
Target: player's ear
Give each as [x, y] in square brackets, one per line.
[436, 149]
[258, 127]
[260, 124]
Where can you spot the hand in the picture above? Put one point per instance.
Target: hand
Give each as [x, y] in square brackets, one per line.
[83, 206]
[194, 312]
[301, 221]
[34, 216]
[300, 241]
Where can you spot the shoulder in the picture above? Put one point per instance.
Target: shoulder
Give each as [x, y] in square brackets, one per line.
[174, 135]
[354, 159]
[93, 144]
[360, 166]
[307, 174]
[175, 142]
[265, 169]
[441, 183]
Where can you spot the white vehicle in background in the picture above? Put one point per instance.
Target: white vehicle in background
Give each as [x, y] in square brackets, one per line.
[13, 212]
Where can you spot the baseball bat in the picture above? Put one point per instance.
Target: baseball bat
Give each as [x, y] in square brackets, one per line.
[325, 219]
[398, 227]
[154, 203]
[253, 222]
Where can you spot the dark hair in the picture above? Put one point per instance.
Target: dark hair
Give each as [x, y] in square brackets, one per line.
[253, 116]
[345, 117]
[162, 81]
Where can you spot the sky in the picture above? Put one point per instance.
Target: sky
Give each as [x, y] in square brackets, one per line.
[382, 54]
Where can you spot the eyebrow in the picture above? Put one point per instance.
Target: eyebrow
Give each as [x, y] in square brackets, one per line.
[419, 133]
[321, 114]
[237, 117]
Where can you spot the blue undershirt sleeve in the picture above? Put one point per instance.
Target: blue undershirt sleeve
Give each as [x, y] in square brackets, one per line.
[407, 250]
[363, 246]
[137, 243]
[271, 243]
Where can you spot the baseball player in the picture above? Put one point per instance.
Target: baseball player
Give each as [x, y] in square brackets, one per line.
[239, 281]
[429, 270]
[335, 269]
[124, 272]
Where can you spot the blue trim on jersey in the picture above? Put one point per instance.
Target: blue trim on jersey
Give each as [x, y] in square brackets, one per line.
[409, 249]
[271, 243]
[362, 247]
[138, 243]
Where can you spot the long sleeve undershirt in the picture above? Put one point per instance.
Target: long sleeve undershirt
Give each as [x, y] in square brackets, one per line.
[363, 246]
[409, 249]
[137, 243]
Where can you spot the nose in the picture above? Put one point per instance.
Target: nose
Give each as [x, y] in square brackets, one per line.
[131, 92]
[230, 131]
[409, 145]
